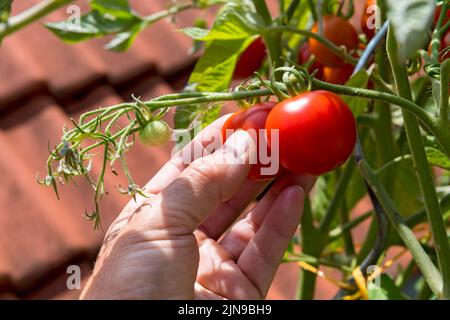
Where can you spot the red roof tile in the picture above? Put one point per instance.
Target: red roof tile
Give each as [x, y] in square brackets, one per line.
[44, 82]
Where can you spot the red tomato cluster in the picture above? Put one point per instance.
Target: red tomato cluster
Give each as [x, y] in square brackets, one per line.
[438, 13]
[330, 67]
[316, 130]
[368, 31]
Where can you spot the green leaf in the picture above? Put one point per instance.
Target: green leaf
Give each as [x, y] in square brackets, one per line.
[232, 22]
[116, 8]
[437, 158]
[411, 21]
[214, 70]
[123, 40]
[357, 105]
[323, 192]
[435, 155]
[387, 290]
[5, 10]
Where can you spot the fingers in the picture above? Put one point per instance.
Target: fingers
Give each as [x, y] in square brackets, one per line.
[261, 257]
[240, 234]
[166, 175]
[208, 181]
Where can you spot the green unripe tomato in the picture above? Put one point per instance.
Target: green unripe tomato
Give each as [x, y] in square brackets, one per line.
[155, 133]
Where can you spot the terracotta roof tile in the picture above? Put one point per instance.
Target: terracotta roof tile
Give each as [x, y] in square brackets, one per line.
[56, 288]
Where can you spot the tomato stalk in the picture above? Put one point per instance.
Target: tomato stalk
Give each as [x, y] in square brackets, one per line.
[271, 40]
[422, 168]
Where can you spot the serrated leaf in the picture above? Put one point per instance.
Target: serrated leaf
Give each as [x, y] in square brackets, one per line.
[357, 105]
[387, 290]
[116, 8]
[185, 115]
[411, 21]
[123, 40]
[232, 22]
[214, 70]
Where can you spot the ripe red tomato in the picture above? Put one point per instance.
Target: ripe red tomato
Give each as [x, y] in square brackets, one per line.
[250, 60]
[445, 42]
[253, 118]
[303, 57]
[338, 31]
[368, 30]
[317, 132]
[338, 75]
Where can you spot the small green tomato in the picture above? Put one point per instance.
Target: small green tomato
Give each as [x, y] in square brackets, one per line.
[155, 133]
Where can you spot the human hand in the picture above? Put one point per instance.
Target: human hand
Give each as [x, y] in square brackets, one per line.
[181, 242]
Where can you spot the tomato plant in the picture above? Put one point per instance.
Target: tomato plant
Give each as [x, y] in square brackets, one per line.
[346, 37]
[253, 119]
[250, 60]
[438, 13]
[304, 56]
[316, 127]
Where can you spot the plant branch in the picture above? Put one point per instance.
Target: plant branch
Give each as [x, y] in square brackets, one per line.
[30, 15]
[330, 45]
[444, 111]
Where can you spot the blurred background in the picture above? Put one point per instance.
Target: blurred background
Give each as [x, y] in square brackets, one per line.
[45, 82]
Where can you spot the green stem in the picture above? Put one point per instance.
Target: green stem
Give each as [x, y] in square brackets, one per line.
[438, 33]
[330, 45]
[426, 266]
[422, 167]
[271, 40]
[311, 245]
[339, 194]
[261, 8]
[34, 13]
[440, 134]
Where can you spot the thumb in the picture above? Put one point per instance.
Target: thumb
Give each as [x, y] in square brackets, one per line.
[205, 183]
